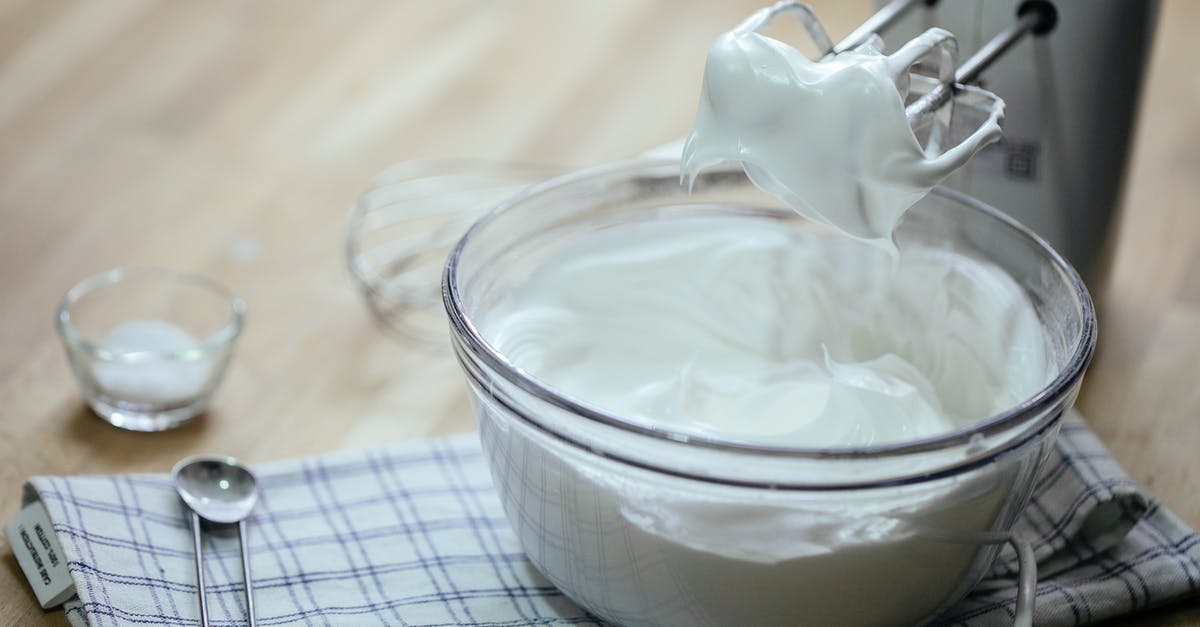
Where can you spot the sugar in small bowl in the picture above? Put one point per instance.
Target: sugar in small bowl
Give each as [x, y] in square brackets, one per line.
[149, 346]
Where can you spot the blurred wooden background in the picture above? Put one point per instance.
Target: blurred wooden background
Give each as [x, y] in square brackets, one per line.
[230, 138]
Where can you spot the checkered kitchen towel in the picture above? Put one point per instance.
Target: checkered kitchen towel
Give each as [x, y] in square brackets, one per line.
[414, 535]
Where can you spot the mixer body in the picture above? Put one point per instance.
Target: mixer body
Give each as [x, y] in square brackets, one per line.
[1071, 99]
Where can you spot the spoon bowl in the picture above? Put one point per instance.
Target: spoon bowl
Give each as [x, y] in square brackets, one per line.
[219, 489]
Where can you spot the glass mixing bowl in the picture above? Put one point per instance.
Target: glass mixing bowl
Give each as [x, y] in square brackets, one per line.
[642, 525]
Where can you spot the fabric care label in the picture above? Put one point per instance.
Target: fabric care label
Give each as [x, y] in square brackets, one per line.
[41, 557]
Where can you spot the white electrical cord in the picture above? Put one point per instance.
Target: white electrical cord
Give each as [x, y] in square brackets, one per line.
[1026, 582]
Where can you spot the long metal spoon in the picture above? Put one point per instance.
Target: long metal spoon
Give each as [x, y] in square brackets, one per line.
[220, 490]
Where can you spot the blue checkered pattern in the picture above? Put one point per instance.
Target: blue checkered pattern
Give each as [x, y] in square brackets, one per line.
[1104, 547]
[415, 535]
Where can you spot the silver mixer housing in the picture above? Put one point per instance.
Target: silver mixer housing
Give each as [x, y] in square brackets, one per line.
[1071, 98]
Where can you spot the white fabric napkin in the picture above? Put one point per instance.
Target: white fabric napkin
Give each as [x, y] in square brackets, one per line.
[414, 534]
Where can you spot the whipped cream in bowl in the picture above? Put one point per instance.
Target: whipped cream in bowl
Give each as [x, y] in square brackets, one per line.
[702, 408]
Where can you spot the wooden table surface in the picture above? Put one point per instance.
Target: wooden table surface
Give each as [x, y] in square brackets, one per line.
[184, 134]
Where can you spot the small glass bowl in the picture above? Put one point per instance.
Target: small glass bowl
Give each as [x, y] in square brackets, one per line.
[149, 346]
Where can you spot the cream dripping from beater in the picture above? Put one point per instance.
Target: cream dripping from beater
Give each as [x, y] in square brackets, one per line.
[831, 138]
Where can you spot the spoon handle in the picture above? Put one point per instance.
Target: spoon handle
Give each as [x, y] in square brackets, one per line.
[200, 570]
[246, 571]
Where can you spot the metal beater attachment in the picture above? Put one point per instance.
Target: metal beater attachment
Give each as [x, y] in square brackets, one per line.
[1035, 16]
[935, 48]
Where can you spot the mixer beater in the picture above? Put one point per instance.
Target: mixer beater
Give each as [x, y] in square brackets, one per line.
[936, 51]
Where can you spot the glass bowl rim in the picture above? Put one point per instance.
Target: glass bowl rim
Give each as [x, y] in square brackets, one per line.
[465, 332]
[211, 343]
